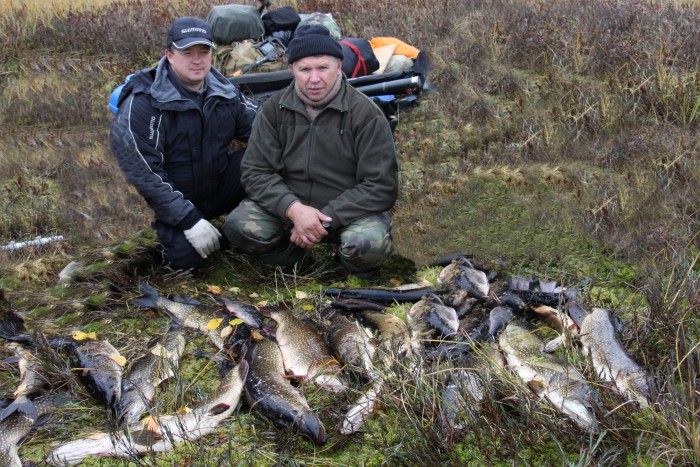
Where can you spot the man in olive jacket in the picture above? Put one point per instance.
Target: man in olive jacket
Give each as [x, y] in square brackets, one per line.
[320, 166]
[173, 136]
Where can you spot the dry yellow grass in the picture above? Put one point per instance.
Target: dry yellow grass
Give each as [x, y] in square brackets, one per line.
[45, 9]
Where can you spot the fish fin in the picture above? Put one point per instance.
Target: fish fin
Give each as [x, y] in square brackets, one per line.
[219, 408]
[186, 300]
[149, 298]
[21, 404]
[537, 387]
[146, 437]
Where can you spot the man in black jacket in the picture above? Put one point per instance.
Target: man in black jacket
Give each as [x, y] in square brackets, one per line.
[174, 138]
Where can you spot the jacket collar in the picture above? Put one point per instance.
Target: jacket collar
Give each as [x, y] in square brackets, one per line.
[164, 92]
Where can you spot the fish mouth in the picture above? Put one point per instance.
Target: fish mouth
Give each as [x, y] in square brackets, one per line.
[309, 425]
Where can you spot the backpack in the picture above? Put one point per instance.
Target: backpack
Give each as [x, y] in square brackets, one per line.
[358, 57]
[233, 23]
[280, 19]
[250, 57]
[324, 19]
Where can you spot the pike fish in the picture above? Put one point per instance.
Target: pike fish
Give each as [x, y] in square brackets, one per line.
[99, 367]
[17, 425]
[305, 353]
[199, 317]
[351, 343]
[269, 391]
[556, 319]
[550, 378]
[395, 333]
[31, 382]
[146, 373]
[161, 434]
[610, 360]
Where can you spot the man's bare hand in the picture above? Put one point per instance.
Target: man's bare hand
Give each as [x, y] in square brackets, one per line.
[307, 230]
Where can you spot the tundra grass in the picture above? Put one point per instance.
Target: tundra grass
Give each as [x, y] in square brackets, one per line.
[559, 140]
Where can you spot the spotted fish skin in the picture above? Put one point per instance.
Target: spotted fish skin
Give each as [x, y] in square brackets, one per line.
[610, 360]
[549, 377]
[98, 366]
[17, 425]
[168, 430]
[305, 352]
[31, 382]
[193, 316]
[146, 373]
[268, 391]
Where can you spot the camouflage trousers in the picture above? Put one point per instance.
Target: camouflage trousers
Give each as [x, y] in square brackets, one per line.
[363, 245]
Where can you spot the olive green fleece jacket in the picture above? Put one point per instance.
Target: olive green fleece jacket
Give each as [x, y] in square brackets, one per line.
[343, 163]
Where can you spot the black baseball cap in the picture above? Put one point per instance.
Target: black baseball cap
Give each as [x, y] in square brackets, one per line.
[188, 31]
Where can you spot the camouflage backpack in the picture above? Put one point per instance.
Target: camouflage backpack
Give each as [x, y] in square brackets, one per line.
[325, 19]
[250, 57]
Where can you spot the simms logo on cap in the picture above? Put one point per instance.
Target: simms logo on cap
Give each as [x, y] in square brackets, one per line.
[188, 31]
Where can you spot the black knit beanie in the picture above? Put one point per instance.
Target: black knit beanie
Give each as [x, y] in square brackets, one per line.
[310, 40]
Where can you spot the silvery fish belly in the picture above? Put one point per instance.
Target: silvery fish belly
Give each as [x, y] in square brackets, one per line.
[549, 377]
[31, 382]
[467, 388]
[610, 360]
[161, 433]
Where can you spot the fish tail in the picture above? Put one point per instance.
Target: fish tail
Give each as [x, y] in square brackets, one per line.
[20, 404]
[150, 296]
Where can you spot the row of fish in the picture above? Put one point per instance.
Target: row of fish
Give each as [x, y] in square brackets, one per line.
[355, 337]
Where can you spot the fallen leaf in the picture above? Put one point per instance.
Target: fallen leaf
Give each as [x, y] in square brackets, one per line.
[161, 351]
[225, 332]
[80, 335]
[215, 289]
[254, 295]
[262, 303]
[255, 334]
[395, 281]
[120, 359]
[234, 290]
[183, 410]
[235, 321]
[214, 323]
[300, 294]
[307, 307]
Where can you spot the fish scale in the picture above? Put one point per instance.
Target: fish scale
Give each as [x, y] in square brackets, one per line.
[549, 377]
[268, 390]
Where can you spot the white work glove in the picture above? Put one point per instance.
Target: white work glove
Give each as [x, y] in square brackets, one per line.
[204, 237]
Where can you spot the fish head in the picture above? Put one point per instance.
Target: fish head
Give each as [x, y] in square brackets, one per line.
[310, 425]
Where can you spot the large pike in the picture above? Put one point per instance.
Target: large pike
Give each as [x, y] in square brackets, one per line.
[146, 373]
[16, 426]
[610, 360]
[31, 382]
[212, 321]
[549, 377]
[268, 390]
[162, 433]
[305, 353]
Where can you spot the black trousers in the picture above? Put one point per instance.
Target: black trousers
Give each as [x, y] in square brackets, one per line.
[178, 252]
